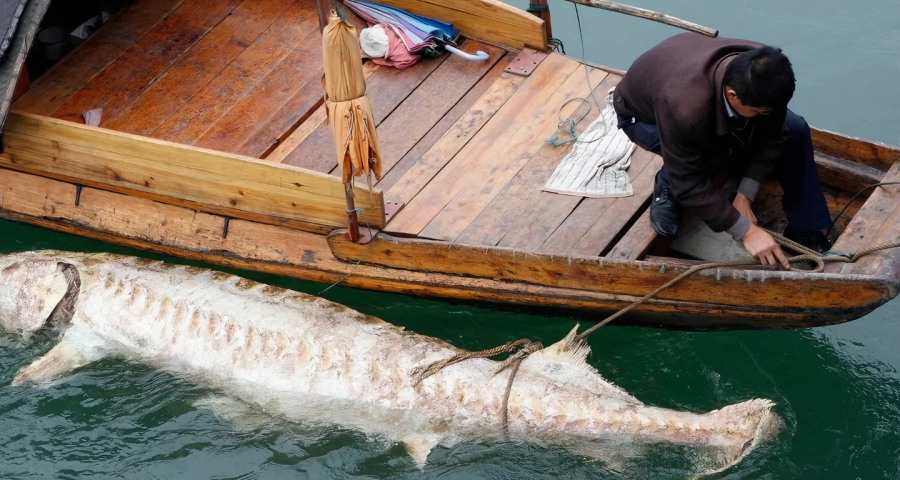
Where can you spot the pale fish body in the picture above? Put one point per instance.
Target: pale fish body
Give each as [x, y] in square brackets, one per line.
[308, 358]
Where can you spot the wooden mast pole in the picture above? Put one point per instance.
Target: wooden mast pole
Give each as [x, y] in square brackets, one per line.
[649, 15]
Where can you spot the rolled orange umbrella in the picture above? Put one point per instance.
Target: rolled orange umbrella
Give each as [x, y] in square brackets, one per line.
[346, 103]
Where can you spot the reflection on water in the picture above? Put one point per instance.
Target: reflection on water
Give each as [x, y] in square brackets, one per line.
[836, 389]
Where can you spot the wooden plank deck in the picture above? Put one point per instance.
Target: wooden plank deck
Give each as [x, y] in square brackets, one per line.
[463, 143]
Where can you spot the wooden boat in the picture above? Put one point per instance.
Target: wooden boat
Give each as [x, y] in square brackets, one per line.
[212, 147]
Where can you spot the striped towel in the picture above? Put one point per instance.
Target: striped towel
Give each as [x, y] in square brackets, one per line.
[597, 163]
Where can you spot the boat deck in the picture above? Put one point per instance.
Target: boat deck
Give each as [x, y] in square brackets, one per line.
[463, 143]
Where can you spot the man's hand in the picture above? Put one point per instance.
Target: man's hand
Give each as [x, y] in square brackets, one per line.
[742, 204]
[762, 246]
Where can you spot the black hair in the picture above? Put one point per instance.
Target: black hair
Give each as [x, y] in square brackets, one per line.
[762, 77]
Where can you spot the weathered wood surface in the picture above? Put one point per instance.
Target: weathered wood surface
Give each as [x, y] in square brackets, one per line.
[583, 231]
[242, 75]
[137, 67]
[514, 205]
[649, 15]
[196, 67]
[390, 178]
[762, 289]
[17, 42]
[876, 223]
[636, 241]
[537, 225]
[70, 74]
[489, 160]
[307, 125]
[874, 154]
[232, 185]
[169, 229]
[455, 139]
[300, 71]
[846, 175]
[510, 151]
[386, 89]
[489, 20]
[430, 101]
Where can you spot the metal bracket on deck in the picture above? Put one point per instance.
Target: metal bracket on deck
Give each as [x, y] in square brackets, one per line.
[525, 62]
[391, 209]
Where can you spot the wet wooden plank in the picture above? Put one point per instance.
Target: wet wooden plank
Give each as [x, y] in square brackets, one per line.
[389, 179]
[430, 101]
[223, 92]
[301, 69]
[873, 154]
[386, 89]
[200, 64]
[579, 222]
[542, 222]
[446, 148]
[636, 242]
[56, 86]
[877, 223]
[516, 205]
[143, 62]
[494, 157]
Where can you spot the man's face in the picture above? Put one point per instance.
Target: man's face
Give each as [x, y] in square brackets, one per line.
[744, 110]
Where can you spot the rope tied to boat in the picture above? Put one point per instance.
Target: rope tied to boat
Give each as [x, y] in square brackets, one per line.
[524, 347]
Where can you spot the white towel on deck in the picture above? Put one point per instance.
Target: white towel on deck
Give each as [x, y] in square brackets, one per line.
[597, 163]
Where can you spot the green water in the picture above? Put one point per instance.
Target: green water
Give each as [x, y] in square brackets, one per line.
[836, 388]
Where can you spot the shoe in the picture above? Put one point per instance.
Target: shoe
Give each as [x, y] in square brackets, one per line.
[813, 240]
[665, 212]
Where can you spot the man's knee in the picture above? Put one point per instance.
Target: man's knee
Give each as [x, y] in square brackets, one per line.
[798, 129]
[643, 135]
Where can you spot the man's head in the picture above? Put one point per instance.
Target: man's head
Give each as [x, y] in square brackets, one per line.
[759, 81]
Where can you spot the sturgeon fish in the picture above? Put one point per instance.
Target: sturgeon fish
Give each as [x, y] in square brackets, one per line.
[307, 358]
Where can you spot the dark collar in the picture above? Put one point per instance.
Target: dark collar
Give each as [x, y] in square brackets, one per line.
[722, 123]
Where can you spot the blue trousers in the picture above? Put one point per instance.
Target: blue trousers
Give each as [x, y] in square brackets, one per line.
[803, 202]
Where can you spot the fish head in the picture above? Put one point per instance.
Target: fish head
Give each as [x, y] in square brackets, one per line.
[31, 288]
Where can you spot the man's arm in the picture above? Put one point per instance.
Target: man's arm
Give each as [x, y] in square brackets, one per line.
[692, 186]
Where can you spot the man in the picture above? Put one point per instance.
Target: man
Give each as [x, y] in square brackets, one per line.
[712, 104]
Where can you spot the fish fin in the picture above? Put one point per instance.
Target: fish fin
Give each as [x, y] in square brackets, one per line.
[78, 347]
[420, 446]
[758, 411]
[60, 360]
[571, 351]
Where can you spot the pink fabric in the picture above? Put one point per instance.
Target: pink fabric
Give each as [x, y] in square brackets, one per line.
[397, 54]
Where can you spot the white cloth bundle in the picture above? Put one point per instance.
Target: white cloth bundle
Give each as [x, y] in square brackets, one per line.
[597, 163]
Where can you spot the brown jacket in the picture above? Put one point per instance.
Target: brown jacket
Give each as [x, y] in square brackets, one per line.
[677, 85]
